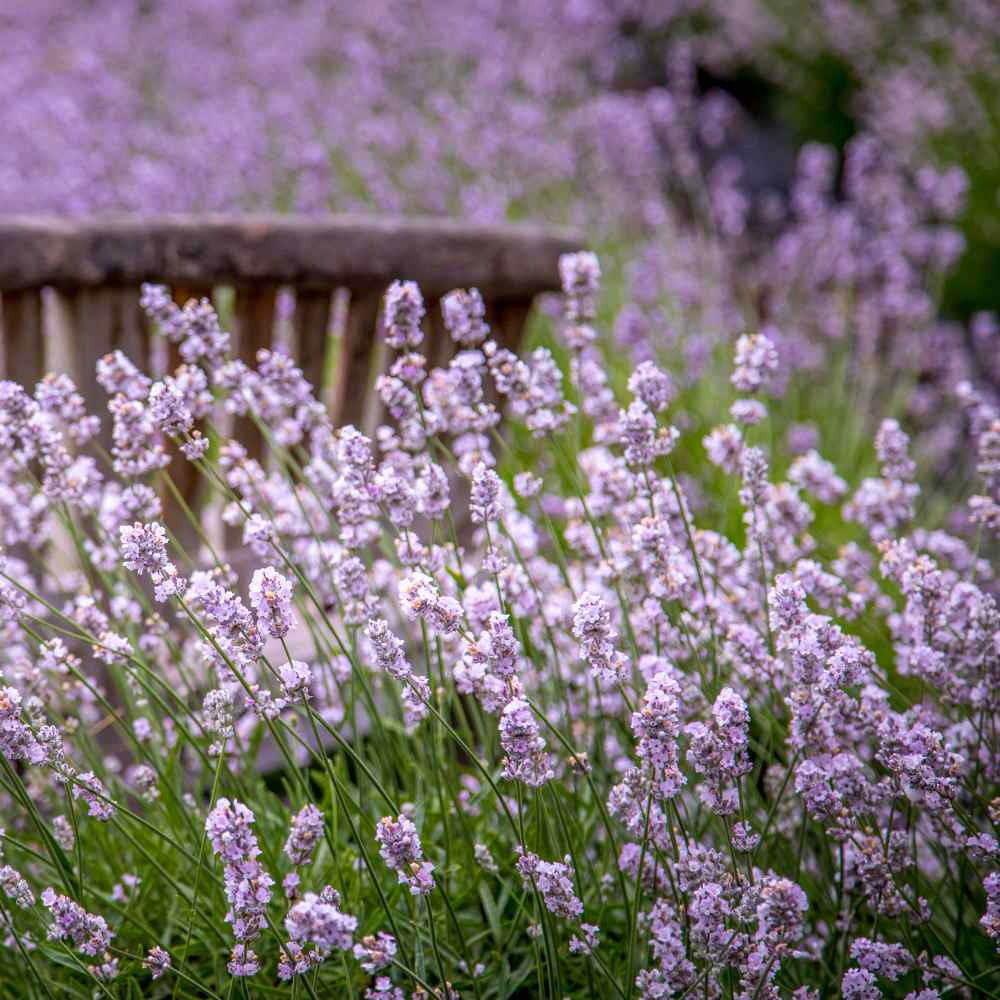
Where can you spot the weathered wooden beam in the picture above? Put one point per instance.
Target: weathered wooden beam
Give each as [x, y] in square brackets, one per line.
[311, 323]
[354, 359]
[254, 314]
[23, 340]
[506, 262]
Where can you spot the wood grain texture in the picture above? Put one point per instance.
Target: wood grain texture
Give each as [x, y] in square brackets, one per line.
[311, 324]
[23, 340]
[355, 359]
[254, 319]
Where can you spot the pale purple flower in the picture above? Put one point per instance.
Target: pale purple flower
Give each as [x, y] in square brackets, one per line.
[464, 315]
[304, 833]
[375, 951]
[296, 680]
[484, 496]
[399, 846]
[389, 649]
[891, 446]
[586, 942]
[15, 887]
[756, 363]
[228, 828]
[156, 962]
[271, 599]
[592, 629]
[88, 787]
[652, 386]
[554, 880]
[243, 962]
[580, 274]
[314, 921]
[748, 412]
[144, 547]
[656, 725]
[403, 312]
[89, 934]
[526, 759]
[420, 598]
[719, 751]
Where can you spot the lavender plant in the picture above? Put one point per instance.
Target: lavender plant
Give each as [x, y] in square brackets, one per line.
[569, 695]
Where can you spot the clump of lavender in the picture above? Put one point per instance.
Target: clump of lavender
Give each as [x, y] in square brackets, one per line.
[375, 952]
[718, 751]
[756, 362]
[656, 726]
[16, 888]
[144, 551]
[745, 699]
[157, 962]
[464, 314]
[484, 498]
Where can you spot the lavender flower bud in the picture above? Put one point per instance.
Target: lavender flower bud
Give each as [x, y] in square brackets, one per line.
[484, 498]
[399, 846]
[403, 312]
[756, 362]
[464, 316]
[304, 833]
[554, 880]
[156, 962]
[525, 760]
[271, 599]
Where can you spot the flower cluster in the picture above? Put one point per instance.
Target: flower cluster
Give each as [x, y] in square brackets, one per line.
[247, 884]
[399, 845]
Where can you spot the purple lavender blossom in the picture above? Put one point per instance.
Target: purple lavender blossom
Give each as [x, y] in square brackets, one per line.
[156, 962]
[271, 599]
[592, 629]
[657, 727]
[15, 887]
[389, 649]
[464, 315]
[655, 388]
[228, 828]
[403, 314]
[304, 833]
[314, 921]
[89, 934]
[375, 951]
[526, 759]
[484, 498]
[554, 880]
[243, 962]
[420, 598]
[719, 751]
[88, 787]
[399, 846]
[756, 363]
